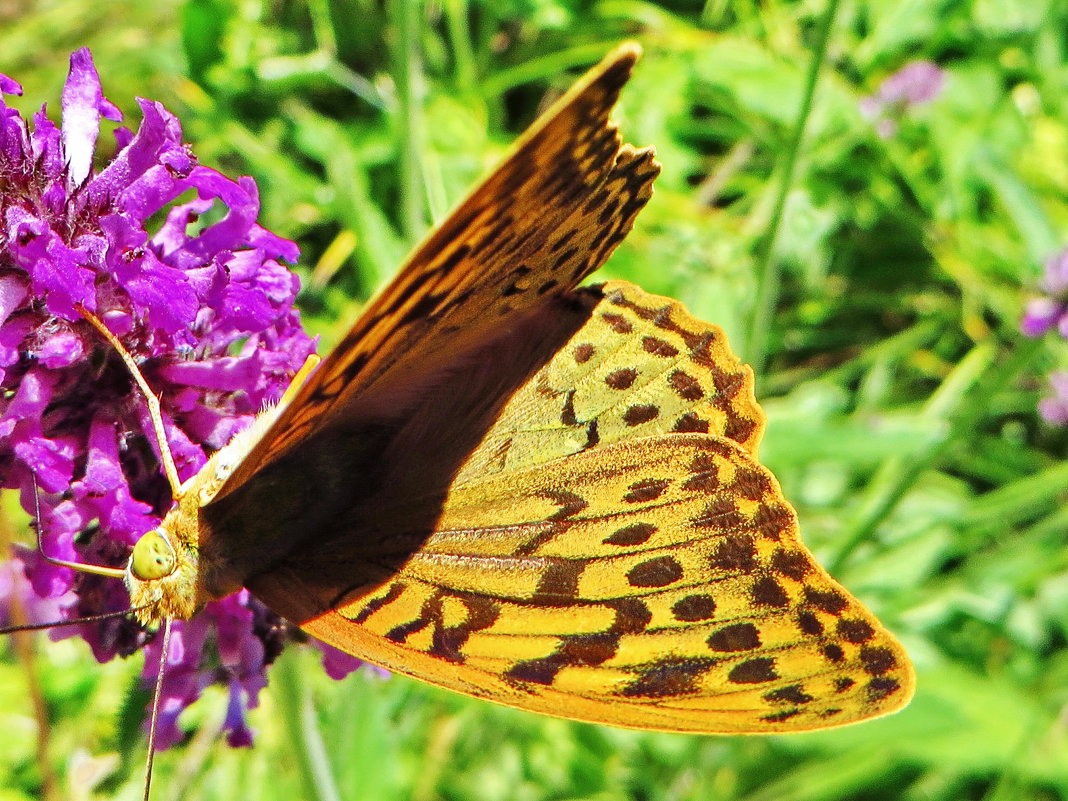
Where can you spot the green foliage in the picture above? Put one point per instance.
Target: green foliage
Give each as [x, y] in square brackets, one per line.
[901, 396]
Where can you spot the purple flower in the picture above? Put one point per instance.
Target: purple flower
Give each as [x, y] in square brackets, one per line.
[1054, 409]
[916, 83]
[240, 666]
[19, 604]
[207, 312]
[1050, 311]
[339, 664]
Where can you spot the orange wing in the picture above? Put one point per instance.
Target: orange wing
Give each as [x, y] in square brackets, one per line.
[541, 222]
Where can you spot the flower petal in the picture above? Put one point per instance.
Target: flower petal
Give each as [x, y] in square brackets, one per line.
[83, 104]
[9, 86]
[1040, 315]
[13, 289]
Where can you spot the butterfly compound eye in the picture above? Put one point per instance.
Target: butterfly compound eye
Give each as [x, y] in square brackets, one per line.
[152, 557]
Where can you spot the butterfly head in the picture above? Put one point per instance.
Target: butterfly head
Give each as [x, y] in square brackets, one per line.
[153, 557]
[161, 577]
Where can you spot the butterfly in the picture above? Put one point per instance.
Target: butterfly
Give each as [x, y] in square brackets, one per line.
[537, 494]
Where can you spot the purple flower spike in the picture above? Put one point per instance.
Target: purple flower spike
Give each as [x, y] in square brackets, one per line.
[19, 604]
[83, 105]
[1055, 278]
[206, 311]
[913, 85]
[339, 664]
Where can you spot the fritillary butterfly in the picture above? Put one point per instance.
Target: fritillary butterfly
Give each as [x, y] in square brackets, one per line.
[543, 496]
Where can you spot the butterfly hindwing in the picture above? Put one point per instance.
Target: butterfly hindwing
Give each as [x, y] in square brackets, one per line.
[550, 497]
[641, 365]
[657, 583]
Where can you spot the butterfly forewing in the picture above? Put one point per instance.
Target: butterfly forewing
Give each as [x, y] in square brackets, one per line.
[546, 218]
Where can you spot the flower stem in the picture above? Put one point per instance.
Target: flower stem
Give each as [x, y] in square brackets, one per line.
[768, 279]
[457, 16]
[407, 75]
[295, 701]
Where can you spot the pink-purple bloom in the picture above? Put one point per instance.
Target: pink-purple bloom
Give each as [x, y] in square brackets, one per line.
[169, 255]
[916, 83]
[1049, 312]
[1054, 409]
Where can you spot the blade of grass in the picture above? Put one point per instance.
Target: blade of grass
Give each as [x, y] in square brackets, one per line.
[1019, 499]
[538, 68]
[463, 49]
[954, 401]
[754, 349]
[377, 246]
[293, 697]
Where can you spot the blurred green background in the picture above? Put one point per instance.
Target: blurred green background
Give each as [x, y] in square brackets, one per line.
[882, 320]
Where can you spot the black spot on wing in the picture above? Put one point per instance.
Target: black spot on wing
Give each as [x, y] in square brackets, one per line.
[694, 607]
[754, 671]
[736, 637]
[658, 572]
[668, 678]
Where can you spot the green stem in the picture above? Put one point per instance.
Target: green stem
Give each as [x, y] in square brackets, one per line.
[767, 294]
[407, 74]
[319, 10]
[713, 12]
[457, 18]
[294, 699]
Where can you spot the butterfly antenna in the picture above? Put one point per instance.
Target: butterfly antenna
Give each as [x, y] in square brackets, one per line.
[157, 695]
[100, 570]
[72, 621]
[85, 568]
[150, 398]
